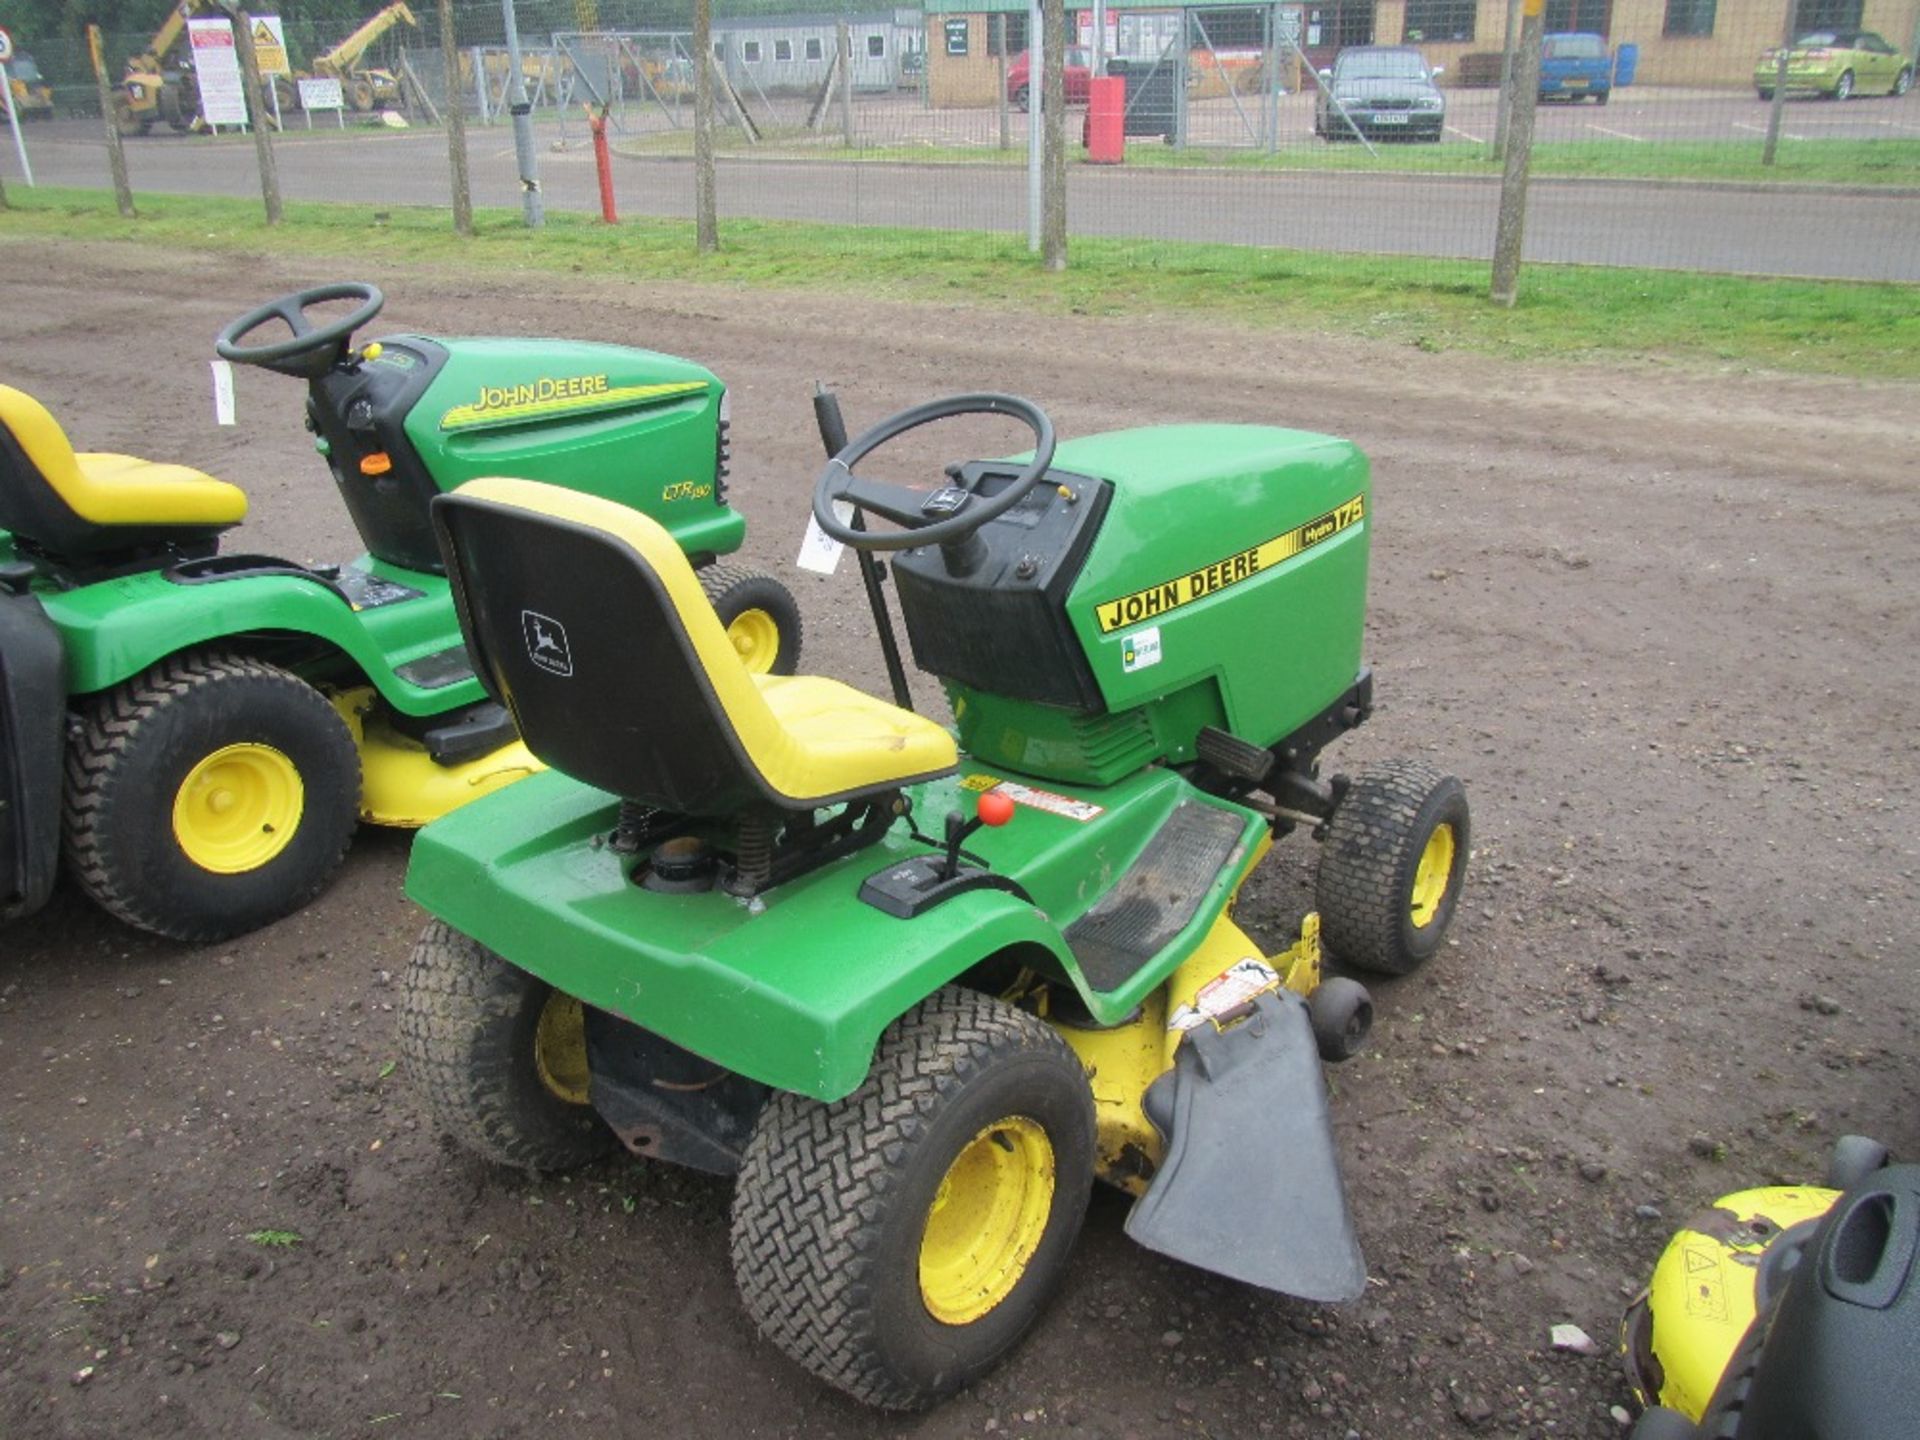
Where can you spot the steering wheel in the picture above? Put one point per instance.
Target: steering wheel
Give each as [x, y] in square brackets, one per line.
[310, 349]
[927, 517]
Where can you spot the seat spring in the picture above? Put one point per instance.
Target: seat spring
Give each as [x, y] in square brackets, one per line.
[753, 855]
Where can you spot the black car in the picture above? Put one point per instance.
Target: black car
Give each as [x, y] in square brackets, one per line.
[1384, 92]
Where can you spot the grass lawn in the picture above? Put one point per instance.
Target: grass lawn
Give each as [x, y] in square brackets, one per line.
[1894, 162]
[1806, 326]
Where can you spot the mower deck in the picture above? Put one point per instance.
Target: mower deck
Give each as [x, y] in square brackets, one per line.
[795, 989]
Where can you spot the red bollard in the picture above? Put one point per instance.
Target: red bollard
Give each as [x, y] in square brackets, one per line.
[603, 162]
[1106, 120]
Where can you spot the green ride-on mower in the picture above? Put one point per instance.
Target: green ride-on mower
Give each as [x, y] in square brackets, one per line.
[717, 928]
[199, 731]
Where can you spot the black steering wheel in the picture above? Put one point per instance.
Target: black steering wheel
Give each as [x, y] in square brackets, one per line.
[927, 517]
[311, 348]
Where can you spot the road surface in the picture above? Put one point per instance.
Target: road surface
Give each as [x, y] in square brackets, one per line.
[1842, 234]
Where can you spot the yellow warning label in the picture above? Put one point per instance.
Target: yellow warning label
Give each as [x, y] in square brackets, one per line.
[1223, 574]
[1706, 1288]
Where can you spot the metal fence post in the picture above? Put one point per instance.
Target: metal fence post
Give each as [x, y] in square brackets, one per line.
[1512, 224]
[1053, 221]
[522, 112]
[456, 125]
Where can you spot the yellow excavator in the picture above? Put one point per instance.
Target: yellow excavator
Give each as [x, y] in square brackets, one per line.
[152, 89]
[365, 88]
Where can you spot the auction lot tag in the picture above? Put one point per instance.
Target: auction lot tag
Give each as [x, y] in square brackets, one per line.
[819, 552]
[222, 392]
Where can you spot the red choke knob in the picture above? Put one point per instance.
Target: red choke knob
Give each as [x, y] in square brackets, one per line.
[995, 808]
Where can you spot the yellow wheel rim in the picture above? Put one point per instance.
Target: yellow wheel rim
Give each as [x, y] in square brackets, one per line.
[756, 640]
[238, 808]
[560, 1049]
[1430, 879]
[986, 1220]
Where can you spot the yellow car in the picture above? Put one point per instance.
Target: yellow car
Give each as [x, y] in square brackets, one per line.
[1838, 64]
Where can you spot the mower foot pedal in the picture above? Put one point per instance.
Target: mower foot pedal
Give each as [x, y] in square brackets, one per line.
[1158, 896]
[438, 670]
[1231, 755]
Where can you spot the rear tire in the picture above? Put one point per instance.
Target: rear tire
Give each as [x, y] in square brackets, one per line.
[1765, 95]
[1020, 99]
[899, 1242]
[208, 796]
[498, 1056]
[1392, 866]
[1843, 87]
[1902, 83]
[1603, 97]
[760, 614]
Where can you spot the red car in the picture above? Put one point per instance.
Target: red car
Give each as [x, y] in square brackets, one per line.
[1079, 71]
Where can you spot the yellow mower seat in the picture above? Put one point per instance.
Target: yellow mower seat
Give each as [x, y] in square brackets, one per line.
[87, 504]
[587, 621]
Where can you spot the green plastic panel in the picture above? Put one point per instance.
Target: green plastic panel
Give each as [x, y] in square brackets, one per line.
[796, 992]
[1202, 516]
[116, 628]
[630, 425]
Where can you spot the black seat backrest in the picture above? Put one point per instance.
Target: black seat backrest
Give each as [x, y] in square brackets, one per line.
[573, 627]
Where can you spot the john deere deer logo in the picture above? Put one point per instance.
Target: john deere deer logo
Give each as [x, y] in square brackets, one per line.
[547, 643]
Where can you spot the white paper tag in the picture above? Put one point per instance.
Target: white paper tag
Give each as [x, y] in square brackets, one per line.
[222, 393]
[819, 552]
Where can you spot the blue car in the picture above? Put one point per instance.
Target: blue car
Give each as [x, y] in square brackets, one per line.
[1576, 65]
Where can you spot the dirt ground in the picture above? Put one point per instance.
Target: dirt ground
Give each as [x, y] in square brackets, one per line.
[1663, 624]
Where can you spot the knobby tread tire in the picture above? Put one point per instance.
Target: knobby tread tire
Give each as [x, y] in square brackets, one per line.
[829, 1194]
[99, 798]
[467, 1020]
[733, 588]
[1367, 865]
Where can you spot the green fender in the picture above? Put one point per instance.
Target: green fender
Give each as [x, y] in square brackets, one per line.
[793, 993]
[795, 989]
[116, 628]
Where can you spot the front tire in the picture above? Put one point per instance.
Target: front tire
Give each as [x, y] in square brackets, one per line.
[208, 796]
[1392, 867]
[761, 616]
[1020, 98]
[499, 1056]
[1902, 83]
[899, 1242]
[1843, 87]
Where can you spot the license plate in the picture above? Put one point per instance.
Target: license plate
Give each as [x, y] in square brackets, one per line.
[1573, 82]
[1389, 119]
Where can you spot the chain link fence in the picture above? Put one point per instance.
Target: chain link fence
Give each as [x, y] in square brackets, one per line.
[1358, 126]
